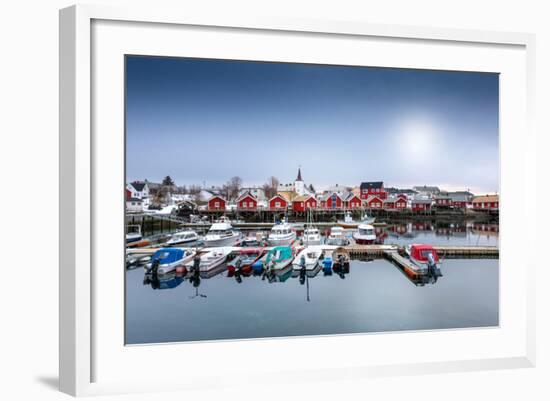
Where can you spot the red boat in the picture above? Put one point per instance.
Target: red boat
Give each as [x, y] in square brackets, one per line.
[245, 259]
[424, 258]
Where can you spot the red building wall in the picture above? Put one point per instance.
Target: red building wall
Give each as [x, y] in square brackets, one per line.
[375, 203]
[283, 204]
[379, 192]
[247, 203]
[354, 203]
[303, 205]
[420, 207]
[216, 203]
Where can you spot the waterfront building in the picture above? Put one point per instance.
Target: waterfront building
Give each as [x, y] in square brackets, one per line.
[352, 201]
[247, 201]
[298, 186]
[395, 202]
[375, 202]
[303, 203]
[486, 202]
[373, 188]
[331, 201]
[134, 205]
[278, 202]
[216, 203]
[421, 204]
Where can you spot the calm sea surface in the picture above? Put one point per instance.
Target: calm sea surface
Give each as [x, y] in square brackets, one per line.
[374, 296]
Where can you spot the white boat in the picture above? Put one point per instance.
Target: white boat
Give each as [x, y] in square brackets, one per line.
[365, 234]
[337, 237]
[311, 236]
[183, 237]
[211, 259]
[281, 234]
[133, 233]
[308, 257]
[222, 234]
[348, 221]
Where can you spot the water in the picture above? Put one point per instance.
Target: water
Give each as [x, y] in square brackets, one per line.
[374, 296]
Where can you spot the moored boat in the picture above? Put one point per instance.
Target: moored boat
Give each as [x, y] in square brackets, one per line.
[278, 258]
[281, 234]
[222, 233]
[210, 259]
[311, 236]
[133, 234]
[246, 258]
[337, 237]
[348, 221]
[424, 258]
[340, 257]
[165, 260]
[308, 258]
[183, 237]
[365, 234]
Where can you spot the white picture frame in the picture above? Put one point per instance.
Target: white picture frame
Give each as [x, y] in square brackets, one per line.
[81, 341]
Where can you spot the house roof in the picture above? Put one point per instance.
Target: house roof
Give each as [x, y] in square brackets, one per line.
[303, 198]
[217, 196]
[371, 184]
[280, 197]
[288, 195]
[325, 197]
[393, 190]
[373, 197]
[138, 185]
[485, 198]
[349, 195]
[459, 197]
[244, 195]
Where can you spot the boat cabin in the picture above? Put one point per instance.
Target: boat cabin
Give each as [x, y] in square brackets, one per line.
[168, 255]
[421, 253]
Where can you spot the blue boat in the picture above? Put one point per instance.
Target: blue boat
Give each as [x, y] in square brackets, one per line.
[165, 260]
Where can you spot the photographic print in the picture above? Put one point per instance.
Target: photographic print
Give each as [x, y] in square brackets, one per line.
[267, 199]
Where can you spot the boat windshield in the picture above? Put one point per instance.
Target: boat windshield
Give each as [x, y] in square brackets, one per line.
[281, 231]
[366, 231]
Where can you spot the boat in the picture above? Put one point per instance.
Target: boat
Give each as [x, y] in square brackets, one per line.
[308, 258]
[365, 234]
[337, 237]
[210, 259]
[245, 259]
[348, 221]
[258, 240]
[133, 234]
[424, 258]
[340, 257]
[222, 233]
[311, 236]
[281, 234]
[278, 258]
[183, 237]
[165, 260]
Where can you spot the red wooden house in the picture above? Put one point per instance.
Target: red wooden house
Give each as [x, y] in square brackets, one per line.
[278, 202]
[127, 193]
[331, 201]
[375, 202]
[486, 202]
[303, 203]
[398, 202]
[373, 188]
[247, 202]
[421, 205]
[352, 201]
[216, 203]
[443, 201]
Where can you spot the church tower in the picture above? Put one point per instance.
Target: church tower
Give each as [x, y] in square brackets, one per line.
[299, 186]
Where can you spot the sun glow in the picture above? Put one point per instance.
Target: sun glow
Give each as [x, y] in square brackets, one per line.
[417, 140]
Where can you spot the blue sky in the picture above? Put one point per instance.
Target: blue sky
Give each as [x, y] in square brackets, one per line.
[201, 120]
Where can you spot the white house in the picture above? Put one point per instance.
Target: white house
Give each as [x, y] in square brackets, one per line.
[134, 205]
[138, 190]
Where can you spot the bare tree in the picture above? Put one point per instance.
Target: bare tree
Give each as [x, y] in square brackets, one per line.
[234, 185]
[270, 187]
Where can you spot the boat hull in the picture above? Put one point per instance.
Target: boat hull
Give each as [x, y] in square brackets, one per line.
[229, 241]
[281, 241]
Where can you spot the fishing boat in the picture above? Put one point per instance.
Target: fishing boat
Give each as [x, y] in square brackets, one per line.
[311, 236]
[258, 240]
[424, 258]
[278, 258]
[133, 234]
[245, 259]
[165, 260]
[340, 257]
[222, 233]
[348, 221]
[281, 234]
[308, 258]
[337, 237]
[210, 259]
[365, 234]
[183, 237]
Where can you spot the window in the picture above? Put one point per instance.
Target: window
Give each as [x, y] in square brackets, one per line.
[216, 204]
[277, 204]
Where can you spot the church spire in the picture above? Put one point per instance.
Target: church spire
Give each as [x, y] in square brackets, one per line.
[299, 178]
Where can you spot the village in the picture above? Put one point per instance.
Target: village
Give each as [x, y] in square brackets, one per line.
[297, 198]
